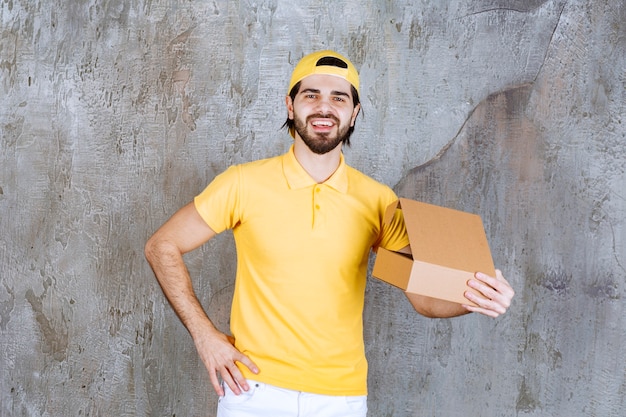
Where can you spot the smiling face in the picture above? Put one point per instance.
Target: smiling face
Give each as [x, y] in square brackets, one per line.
[323, 112]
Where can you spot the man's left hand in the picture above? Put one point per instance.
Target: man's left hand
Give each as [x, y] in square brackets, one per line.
[495, 294]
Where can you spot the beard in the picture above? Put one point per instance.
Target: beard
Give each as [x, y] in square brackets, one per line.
[320, 143]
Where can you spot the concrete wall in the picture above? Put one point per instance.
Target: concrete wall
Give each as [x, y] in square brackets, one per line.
[115, 113]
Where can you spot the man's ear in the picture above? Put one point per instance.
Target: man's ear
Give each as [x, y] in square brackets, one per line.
[289, 104]
[355, 113]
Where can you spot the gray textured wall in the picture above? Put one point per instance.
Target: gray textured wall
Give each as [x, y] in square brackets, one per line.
[115, 113]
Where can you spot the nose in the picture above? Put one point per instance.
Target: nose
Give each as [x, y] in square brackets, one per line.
[324, 105]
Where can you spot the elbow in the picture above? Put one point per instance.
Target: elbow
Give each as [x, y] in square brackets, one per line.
[434, 308]
[442, 314]
[157, 248]
[150, 249]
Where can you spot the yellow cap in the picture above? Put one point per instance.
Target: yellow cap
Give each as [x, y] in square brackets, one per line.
[326, 63]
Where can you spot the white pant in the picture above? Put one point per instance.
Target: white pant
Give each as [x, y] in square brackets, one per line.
[264, 400]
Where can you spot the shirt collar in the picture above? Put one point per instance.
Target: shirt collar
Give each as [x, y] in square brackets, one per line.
[298, 178]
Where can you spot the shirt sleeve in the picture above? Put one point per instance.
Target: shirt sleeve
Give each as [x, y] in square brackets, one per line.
[219, 203]
[394, 234]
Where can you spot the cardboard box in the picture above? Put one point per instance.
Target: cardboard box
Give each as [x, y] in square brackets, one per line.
[448, 247]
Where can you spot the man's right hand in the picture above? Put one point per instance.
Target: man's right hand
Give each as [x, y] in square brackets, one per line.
[220, 357]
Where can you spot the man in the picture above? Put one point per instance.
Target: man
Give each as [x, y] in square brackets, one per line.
[304, 224]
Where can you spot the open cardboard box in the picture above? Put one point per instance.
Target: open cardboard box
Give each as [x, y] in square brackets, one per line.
[448, 247]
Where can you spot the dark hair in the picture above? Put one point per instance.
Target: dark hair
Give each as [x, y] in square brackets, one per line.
[290, 124]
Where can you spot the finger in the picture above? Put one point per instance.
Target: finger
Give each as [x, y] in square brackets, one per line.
[248, 363]
[492, 282]
[494, 294]
[482, 287]
[500, 277]
[494, 288]
[216, 384]
[508, 289]
[234, 382]
[487, 302]
[236, 374]
[486, 312]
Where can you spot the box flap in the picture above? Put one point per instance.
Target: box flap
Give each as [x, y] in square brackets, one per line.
[393, 267]
[439, 282]
[390, 211]
[446, 237]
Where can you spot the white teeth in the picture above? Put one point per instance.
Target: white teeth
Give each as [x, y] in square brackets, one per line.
[322, 124]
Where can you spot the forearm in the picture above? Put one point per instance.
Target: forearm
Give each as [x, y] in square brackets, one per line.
[169, 268]
[491, 296]
[435, 308]
[184, 232]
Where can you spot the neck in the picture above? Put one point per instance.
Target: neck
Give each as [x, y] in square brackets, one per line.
[319, 167]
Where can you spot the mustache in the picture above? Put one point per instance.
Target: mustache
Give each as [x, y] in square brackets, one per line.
[323, 116]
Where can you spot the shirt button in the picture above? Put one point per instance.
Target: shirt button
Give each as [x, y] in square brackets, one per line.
[317, 206]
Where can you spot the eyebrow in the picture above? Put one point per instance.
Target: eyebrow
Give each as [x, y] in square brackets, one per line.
[332, 93]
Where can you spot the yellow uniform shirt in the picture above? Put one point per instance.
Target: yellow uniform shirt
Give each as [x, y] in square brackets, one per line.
[302, 255]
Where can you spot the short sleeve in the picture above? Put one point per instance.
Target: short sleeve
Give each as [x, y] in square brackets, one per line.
[219, 203]
[394, 234]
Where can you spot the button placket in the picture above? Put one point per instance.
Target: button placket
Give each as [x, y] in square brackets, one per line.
[316, 204]
[318, 189]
